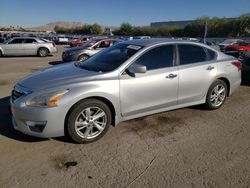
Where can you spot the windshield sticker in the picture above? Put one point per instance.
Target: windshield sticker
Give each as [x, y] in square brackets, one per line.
[134, 47]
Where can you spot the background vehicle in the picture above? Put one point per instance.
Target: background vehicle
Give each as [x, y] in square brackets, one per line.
[81, 53]
[245, 59]
[27, 46]
[126, 81]
[237, 48]
[78, 42]
[61, 39]
[228, 42]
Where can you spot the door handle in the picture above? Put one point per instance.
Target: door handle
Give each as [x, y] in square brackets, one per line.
[210, 68]
[171, 76]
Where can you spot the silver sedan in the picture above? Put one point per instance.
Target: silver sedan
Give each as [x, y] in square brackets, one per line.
[126, 81]
[24, 46]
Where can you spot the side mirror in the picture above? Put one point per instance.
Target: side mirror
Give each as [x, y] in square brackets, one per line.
[136, 68]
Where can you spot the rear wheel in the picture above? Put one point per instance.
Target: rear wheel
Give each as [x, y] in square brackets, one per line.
[216, 95]
[43, 52]
[88, 121]
[1, 53]
[83, 57]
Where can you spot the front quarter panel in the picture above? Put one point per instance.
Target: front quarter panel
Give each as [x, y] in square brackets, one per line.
[108, 89]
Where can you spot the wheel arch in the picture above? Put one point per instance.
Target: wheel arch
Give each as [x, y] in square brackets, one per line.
[227, 82]
[84, 53]
[102, 99]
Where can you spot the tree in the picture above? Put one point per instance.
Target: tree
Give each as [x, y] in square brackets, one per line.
[96, 29]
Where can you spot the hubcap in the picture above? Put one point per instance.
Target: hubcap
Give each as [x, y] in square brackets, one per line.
[218, 95]
[83, 58]
[42, 52]
[90, 122]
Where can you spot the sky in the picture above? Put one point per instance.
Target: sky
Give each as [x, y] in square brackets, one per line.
[29, 13]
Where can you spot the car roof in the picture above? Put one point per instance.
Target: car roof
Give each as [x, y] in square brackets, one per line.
[25, 38]
[151, 42]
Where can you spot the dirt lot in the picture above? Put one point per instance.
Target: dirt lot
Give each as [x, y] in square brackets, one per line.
[185, 148]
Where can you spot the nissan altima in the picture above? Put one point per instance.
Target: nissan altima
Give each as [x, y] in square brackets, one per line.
[126, 81]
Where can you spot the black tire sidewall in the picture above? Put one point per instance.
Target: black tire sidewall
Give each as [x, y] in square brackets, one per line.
[75, 112]
[208, 103]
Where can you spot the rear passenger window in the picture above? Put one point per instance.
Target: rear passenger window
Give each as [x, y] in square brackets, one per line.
[30, 41]
[191, 54]
[156, 58]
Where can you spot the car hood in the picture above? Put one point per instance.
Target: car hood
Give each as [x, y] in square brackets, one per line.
[57, 76]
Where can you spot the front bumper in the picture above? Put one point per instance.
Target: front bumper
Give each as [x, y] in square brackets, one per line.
[50, 120]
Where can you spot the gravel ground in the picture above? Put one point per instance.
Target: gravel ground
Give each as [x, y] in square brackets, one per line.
[190, 147]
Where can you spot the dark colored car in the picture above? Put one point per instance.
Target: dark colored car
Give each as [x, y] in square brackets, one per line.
[245, 59]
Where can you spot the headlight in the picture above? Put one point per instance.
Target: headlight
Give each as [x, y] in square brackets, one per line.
[46, 100]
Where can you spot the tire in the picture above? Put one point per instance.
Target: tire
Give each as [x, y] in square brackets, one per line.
[216, 95]
[83, 57]
[82, 127]
[43, 52]
[1, 53]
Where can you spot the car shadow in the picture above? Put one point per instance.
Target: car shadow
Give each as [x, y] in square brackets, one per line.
[56, 62]
[6, 128]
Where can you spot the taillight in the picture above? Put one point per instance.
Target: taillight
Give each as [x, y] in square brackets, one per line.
[237, 64]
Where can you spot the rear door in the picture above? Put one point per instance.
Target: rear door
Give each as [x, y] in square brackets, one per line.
[30, 46]
[197, 69]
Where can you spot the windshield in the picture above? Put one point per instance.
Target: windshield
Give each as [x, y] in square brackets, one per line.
[111, 58]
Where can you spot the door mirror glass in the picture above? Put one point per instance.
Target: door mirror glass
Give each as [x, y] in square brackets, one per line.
[136, 68]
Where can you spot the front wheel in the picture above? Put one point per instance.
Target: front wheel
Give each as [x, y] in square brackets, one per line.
[88, 121]
[216, 95]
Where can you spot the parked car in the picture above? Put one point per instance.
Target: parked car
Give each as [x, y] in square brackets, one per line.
[237, 48]
[228, 42]
[78, 42]
[207, 42]
[245, 59]
[81, 53]
[126, 81]
[61, 39]
[27, 46]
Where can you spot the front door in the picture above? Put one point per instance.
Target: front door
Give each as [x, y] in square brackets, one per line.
[146, 93]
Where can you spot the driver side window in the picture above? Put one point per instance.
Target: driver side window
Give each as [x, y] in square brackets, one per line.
[157, 58]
